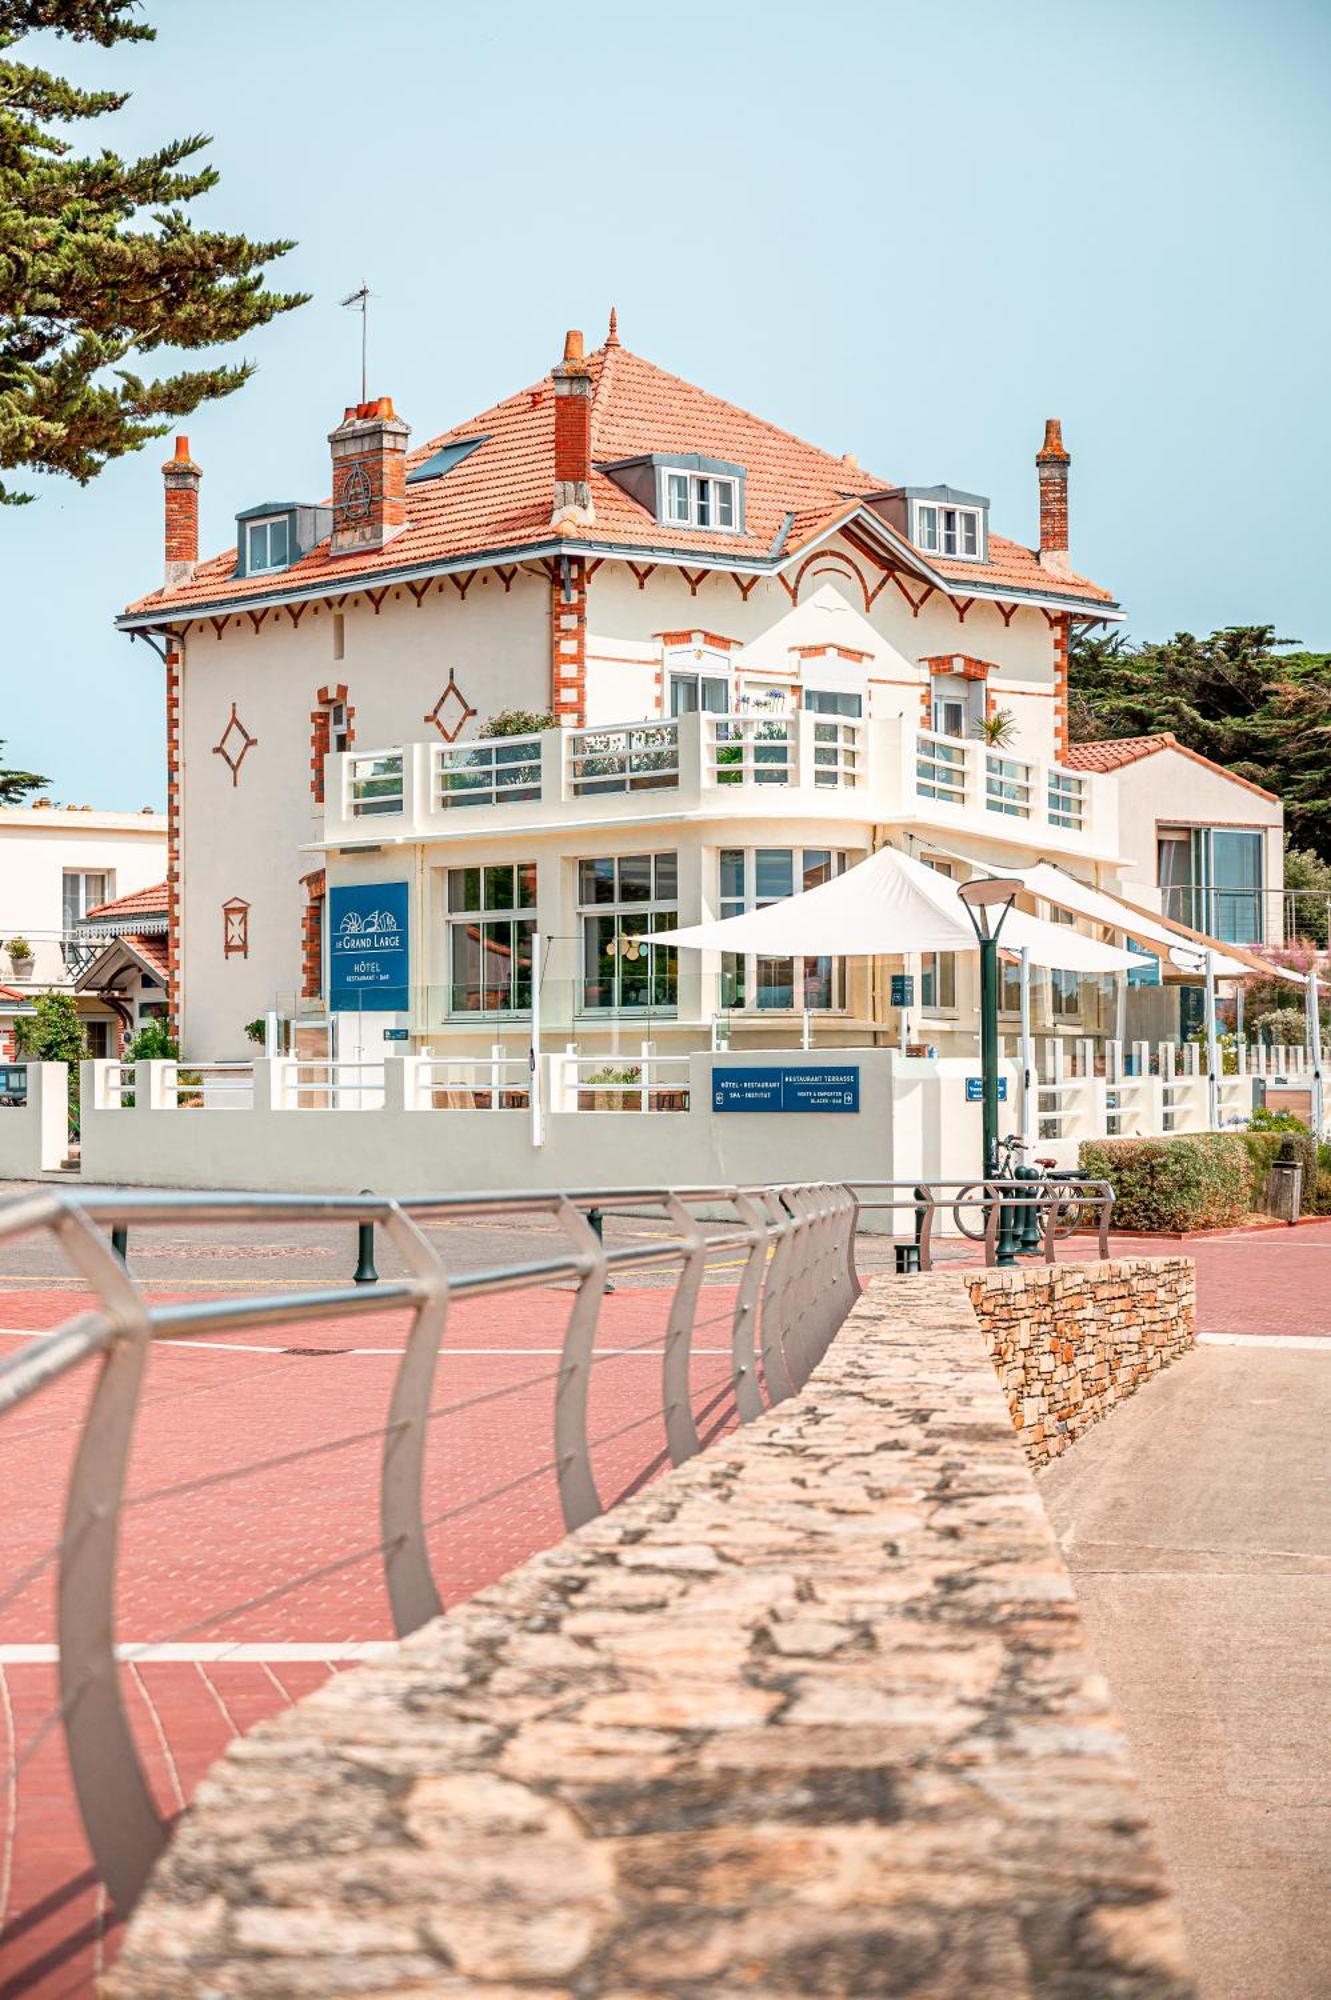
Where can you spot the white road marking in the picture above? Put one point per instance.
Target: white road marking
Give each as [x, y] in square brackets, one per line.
[1299, 1340]
[259, 1652]
[254, 1347]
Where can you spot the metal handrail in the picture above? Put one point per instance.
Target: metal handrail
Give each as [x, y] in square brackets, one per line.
[797, 1285]
[925, 1198]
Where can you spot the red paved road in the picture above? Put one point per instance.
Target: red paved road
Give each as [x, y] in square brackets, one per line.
[252, 1507]
[251, 1518]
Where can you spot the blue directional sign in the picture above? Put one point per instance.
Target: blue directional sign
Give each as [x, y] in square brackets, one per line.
[368, 931]
[806, 1087]
[975, 1090]
[903, 989]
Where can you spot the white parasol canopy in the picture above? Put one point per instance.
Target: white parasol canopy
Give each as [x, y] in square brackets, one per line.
[890, 903]
[1055, 885]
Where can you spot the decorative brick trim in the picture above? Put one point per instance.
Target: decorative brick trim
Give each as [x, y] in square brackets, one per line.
[453, 704]
[321, 731]
[235, 928]
[568, 645]
[174, 661]
[1061, 626]
[699, 638]
[821, 653]
[312, 934]
[964, 664]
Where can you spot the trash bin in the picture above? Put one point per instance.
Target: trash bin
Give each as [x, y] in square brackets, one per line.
[1284, 1190]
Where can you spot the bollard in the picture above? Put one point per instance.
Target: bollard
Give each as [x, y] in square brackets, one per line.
[120, 1241]
[1009, 1230]
[365, 1273]
[596, 1223]
[1030, 1245]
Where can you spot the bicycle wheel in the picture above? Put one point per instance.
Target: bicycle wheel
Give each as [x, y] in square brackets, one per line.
[1067, 1209]
[970, 1220]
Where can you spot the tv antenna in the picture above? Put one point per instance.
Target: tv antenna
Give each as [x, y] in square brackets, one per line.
[362, 299]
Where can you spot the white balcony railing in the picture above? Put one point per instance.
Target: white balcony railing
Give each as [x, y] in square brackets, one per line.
[634, 757]
[764, 765]
[502, 770]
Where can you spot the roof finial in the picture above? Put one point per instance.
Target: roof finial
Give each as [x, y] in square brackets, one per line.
[612, 338]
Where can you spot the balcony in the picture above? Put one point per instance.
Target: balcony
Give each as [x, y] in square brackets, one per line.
[707, 766]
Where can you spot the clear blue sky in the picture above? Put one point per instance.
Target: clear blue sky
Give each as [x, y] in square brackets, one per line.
[906, 231]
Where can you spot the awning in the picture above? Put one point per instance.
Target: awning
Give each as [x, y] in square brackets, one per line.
[1055, 885]
[885, 905]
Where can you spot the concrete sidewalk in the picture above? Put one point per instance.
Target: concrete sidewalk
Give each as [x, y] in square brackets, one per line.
[1197, 1525]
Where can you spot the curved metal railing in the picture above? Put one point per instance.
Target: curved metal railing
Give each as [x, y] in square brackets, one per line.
[797, 1283]
[1037, 1202]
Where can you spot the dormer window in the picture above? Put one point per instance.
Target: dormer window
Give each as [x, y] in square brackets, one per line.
[948, 531]
[267, 544]
[276, 534]
[682, 489]
[700, 500]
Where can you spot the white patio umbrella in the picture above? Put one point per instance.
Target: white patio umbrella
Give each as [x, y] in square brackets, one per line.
[887, 904]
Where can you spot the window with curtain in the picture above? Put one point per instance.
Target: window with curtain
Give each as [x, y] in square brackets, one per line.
[1211, 878]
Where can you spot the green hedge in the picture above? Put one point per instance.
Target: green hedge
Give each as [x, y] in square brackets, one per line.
[1201, 1182]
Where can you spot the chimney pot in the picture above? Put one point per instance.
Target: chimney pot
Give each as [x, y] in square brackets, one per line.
[369, 451]
[1051, 465]
[181, 479]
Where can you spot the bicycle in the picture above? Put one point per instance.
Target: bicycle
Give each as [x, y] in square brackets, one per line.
[1067, 1209]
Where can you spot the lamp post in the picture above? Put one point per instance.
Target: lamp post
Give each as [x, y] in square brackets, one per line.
[988, 900]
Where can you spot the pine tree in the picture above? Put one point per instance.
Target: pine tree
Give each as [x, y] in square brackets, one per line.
[100, 264]
[15, 785]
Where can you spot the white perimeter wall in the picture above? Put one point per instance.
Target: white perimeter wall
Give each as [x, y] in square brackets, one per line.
[913, 1122]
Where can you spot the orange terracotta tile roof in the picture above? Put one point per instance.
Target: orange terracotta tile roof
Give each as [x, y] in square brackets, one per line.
[141, 903]
[151, 947]
[498, 500]
[1116, 751]
[1119, 750]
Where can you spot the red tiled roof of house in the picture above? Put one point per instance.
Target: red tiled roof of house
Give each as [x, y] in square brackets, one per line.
[1119, 750]
[141, 903]
[1116, 751]
[151, 947]
[498, 499]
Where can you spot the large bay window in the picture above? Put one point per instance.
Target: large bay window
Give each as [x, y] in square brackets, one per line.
[1212, 880]
[753, 877]
[622, 899]
[491, 933]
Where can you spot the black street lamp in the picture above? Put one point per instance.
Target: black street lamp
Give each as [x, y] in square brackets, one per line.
[988, 900]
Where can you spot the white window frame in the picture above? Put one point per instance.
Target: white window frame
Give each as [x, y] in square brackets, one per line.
[729, 906]
[267, 522]
[85, 902]
[517, 915]
[701, 490]
[939, 966]
[940, 511]
[622, 911]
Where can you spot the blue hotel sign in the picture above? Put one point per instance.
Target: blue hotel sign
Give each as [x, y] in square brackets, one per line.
[975, 1090]
[810, 1087]
[368, 933]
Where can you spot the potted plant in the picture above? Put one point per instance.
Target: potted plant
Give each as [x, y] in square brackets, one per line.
[20, 956]
[610, 1100]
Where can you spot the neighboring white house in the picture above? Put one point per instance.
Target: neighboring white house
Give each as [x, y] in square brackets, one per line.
[761, 663]
[57, 864]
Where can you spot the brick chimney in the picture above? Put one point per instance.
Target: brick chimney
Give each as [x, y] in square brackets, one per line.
[369, 476]
[181, 478]
[1051, 463]
[573, 435]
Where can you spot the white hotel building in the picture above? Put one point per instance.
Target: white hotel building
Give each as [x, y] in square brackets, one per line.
[762, 662]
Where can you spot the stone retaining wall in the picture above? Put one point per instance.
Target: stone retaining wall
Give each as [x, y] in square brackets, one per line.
[813, 1715]
[1070, 1341]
